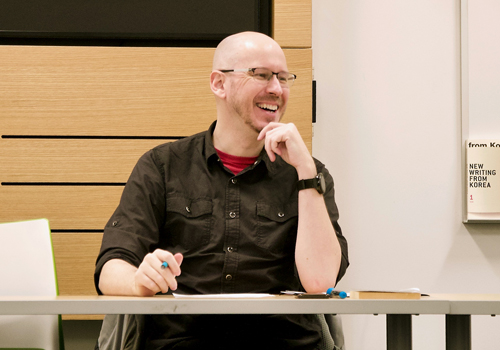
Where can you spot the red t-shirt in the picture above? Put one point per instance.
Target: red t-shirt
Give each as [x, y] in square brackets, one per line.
[234, 163]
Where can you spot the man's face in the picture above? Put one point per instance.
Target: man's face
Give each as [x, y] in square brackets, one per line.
[258, 103]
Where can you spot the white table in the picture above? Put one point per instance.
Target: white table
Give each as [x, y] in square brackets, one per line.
[458, 320]
[456, 307]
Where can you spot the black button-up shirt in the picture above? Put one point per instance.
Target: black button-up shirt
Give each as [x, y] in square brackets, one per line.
[237, 233]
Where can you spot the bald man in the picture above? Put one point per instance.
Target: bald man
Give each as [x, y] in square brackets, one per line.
[240, 208]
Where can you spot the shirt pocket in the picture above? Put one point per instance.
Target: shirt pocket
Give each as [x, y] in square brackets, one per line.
[277, 226]
[188, 222]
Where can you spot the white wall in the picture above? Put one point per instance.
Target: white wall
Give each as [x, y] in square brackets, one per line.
[484, 71]
[389, 130]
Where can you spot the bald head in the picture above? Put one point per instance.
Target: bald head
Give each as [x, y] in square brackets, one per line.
[243, 49]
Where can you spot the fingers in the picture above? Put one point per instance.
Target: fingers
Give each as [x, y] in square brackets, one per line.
[179, 257]
[275, 144]
[266, 129]
[173, 261]
[285, 141]
[158, 272]
[273, 135]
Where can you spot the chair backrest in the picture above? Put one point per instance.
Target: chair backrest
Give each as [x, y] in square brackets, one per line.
[28, 269]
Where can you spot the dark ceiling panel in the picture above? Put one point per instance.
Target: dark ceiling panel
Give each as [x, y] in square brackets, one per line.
[132, 20]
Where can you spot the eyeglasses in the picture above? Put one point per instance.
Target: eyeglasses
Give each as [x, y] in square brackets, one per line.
[264, 75]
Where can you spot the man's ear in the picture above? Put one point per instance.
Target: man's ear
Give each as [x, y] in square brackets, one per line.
[217, 81]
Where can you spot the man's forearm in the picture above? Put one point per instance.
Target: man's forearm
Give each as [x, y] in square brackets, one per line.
[318, 253]
[117, 278]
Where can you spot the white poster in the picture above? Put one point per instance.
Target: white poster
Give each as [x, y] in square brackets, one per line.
[483, 179]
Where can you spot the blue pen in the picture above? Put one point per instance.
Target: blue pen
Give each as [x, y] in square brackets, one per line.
[333, 292]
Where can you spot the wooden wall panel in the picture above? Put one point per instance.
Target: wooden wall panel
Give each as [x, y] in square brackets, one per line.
[118, 91]
[299, 109]
[108, 91]
[75, 256]
[66, 207]
[63, 160]
[292, 24]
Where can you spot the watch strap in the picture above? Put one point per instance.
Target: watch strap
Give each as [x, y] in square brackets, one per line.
[318, 183]
[308, 183]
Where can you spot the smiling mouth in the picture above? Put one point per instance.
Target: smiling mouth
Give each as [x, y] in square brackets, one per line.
[267, 107]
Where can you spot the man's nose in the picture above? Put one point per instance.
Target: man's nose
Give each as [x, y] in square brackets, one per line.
[274, 86]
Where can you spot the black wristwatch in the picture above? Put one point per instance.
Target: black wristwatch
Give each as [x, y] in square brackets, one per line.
[317, 182]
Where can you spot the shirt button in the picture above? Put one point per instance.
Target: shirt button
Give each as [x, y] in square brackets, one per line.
[114, 223]
[234, 181]
[232, 215]
[230, 249]
[280, 214]
[229, 277]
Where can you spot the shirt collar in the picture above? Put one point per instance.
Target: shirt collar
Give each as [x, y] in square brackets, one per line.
[211, 153]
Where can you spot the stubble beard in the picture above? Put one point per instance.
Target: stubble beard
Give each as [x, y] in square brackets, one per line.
[246, 115]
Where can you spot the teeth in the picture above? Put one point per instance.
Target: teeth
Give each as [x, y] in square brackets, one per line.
[267, 106]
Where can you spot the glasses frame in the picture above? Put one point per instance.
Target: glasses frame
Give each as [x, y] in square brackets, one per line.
[246, 70]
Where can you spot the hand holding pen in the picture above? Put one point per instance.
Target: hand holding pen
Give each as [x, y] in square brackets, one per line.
[157, 273]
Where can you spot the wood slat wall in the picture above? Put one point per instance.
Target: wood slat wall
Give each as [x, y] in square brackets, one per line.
[107, 91]
[75, 257]
[120, 91]
[79, 248]
[293, 23]
[103, 105]
[70, 160]
[66, 207]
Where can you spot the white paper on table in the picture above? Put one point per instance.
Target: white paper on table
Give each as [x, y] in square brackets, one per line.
[225, 296]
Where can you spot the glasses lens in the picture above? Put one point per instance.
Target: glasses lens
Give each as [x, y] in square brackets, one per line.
[264, 75]
[286, 78]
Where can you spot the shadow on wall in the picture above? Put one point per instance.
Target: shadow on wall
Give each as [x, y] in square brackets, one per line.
[487, 238]
[473, 259]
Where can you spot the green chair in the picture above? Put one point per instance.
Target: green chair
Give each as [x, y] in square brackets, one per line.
[28, 269]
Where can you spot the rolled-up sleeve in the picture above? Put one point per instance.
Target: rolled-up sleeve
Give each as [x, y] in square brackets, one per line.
[134, 228]
[333, 212]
